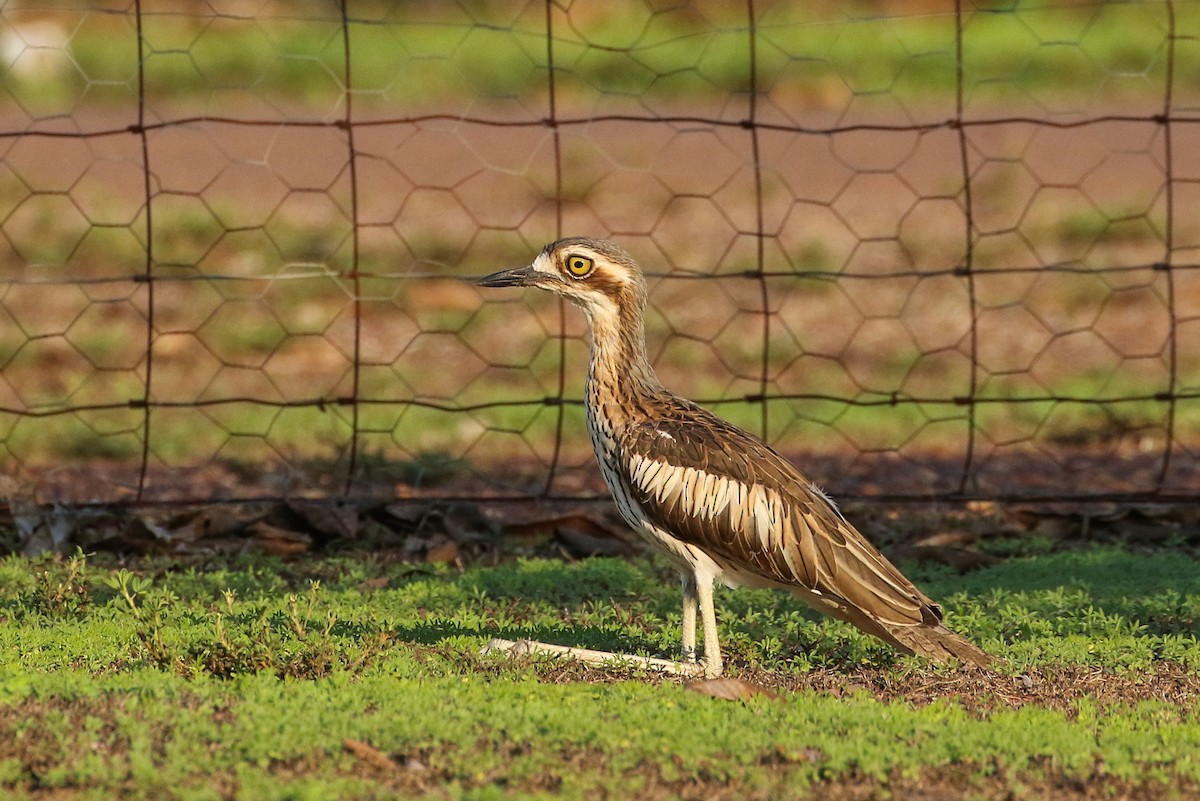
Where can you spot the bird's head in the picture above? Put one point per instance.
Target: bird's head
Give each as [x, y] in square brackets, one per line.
[595, 274]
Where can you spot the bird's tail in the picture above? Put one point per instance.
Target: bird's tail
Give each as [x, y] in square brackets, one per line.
[937, 643]
[929, 639]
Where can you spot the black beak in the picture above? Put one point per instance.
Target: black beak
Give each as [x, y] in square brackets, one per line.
[521, 276]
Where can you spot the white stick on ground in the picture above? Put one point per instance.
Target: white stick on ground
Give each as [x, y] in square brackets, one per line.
[517, 648]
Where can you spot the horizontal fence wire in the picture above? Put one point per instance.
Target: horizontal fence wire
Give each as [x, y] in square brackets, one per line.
[931, 256]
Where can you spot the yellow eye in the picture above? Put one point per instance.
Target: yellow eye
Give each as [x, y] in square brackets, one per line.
[579, 266]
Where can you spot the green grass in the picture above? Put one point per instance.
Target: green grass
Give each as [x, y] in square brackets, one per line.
[402, 55]
[244, 679]
[252, 432]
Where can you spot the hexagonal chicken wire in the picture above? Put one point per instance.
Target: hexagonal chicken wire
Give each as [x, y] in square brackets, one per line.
[236, 238]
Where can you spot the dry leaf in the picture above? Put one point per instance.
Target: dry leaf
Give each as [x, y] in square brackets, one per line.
[587, 543]
[338, 520]
[1058, 528]
[39, 529]
[1064, 520]
[579, 534]
[961, 559]
[407, 515]
[445, 553]
[278, 541]
[528, 536]
[541, 513]
[177, 528]
[464, 522]
[809, 754]
[729, 689]
[53, 530]
[960, 539]
[365, 752]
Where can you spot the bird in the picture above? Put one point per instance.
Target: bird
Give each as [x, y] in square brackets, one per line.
[720, 503]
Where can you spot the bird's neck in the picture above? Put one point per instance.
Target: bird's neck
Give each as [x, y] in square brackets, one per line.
[620, 378]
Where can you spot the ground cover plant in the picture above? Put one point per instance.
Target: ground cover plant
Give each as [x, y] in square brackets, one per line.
[356, 674]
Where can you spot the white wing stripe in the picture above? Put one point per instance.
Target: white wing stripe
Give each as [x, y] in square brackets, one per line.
[637, 468]
[653, 476]
[704, 482]
[720, 496]
[704, 502]
[668, 483]
[688, 490]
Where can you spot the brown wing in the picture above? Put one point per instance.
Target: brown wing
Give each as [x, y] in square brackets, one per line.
[723, 490]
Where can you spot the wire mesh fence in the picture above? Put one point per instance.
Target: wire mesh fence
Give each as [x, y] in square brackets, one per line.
[939, 251]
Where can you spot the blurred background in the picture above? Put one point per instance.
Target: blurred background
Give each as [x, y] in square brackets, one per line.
[930, 250]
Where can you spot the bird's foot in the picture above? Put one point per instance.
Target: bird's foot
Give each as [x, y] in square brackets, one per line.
[690, 665]
[519, 648]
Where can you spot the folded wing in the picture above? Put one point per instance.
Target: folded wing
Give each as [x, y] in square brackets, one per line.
[714, 486]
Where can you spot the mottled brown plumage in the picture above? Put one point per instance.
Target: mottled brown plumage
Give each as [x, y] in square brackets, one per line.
[718, 501]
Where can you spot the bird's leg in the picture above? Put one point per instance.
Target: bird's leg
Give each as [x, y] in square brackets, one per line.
[687, 666]
[697, 591]
[708, 614]
[520, 648]
[688, 579]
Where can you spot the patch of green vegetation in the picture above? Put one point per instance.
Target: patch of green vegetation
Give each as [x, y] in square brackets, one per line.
[1083, 421]
[304, 639]
[1091, 225]
[814, 255]
[1102, 606]
[424, 468]
[71, 437]
[250, 432]
[875, 423]
[402, 55]
[1027, 545]
[61, 589]
[181, 436]
[157, 679]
